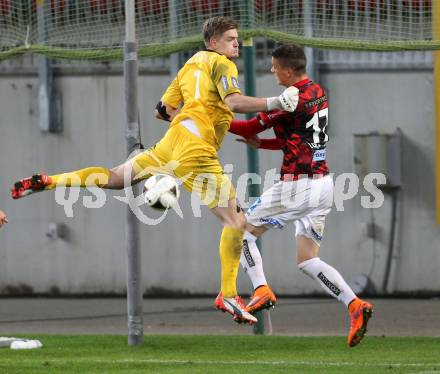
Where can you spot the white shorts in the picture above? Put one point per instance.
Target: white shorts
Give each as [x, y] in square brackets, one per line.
[305, 201]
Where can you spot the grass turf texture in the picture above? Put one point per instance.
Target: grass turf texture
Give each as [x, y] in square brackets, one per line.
[220, 354]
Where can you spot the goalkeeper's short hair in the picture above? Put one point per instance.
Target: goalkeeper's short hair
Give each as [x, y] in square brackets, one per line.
[291, 56]
[216, 26]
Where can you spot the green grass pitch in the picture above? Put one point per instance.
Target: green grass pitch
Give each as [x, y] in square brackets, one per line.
[223, 354]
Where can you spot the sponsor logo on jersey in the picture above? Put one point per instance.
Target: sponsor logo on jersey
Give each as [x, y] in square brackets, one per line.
[329, 284]
[225, 83]
[235, 82]
[319, 155]
[315, 102]
[247, 254]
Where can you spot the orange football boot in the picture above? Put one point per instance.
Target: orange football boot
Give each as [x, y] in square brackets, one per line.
[235, 307]
[27, 186]
[262, 298]
[360, 312]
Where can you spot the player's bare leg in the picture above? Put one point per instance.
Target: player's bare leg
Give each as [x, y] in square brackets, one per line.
[262, 296]
[334, 284]
[230, 250]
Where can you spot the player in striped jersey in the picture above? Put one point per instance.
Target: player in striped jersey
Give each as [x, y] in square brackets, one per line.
[305, 193]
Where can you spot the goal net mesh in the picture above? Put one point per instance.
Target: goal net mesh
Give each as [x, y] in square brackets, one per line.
[95, 29]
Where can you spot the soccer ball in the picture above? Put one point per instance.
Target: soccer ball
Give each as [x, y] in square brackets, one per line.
[161, 191]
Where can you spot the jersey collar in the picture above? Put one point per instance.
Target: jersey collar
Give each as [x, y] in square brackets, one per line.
[302, 83]
[210, 50]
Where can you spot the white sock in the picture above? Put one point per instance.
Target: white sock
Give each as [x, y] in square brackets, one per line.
[251, 260]
[329, 279]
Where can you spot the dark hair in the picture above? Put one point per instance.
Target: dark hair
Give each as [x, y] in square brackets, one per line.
[291, 56]
[216, 26]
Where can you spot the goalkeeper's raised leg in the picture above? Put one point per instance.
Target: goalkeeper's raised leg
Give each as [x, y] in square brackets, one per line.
[94, 176]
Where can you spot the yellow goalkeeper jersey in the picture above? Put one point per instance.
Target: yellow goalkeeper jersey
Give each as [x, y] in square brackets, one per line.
[202, 85]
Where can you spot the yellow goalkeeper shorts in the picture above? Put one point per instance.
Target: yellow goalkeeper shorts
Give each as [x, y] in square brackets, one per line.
[194, 161]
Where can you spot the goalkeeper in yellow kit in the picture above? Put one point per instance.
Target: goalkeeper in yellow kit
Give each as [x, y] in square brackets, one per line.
[207, 87]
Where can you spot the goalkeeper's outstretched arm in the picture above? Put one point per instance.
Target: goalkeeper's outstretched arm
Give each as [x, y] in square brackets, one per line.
[239, 103]
[287, 101]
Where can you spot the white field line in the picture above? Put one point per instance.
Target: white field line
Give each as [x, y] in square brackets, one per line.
[254, 362]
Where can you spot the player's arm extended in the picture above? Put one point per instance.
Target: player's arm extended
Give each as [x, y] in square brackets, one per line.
[239, 103]
[249, 129]
[253, 126]
[255, 142]
[274, 144]
[287, 101]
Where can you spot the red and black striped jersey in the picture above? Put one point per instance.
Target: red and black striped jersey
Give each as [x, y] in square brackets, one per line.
[302, 132]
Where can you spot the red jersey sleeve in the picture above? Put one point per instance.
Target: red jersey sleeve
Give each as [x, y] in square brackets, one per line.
[276, 117]
[273, 144]
[251, 127]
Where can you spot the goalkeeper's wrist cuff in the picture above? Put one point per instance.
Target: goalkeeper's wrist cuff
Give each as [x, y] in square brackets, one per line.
[273, 103]
[162, 110]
